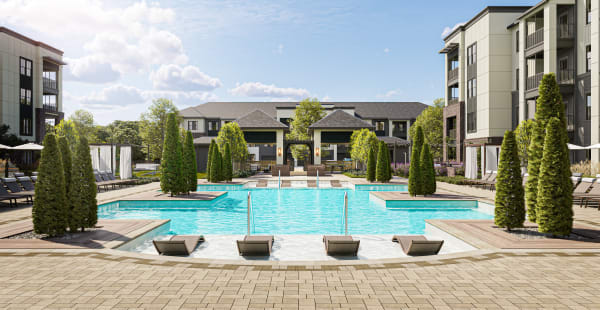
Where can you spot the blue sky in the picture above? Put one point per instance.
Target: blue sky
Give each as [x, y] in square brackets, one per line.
[122, 54]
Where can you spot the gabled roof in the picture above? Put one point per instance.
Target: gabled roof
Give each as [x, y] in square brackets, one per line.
[340, 120]
[258, 119]
[203, 140]
[393, 140]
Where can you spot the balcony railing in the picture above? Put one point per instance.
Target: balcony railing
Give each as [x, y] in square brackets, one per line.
[453, 74]
[533, 82]
[451, 134]
[535, 38]
[452, 101]
[566, 31]
[566, 76]
[49, 84]
[49, 107]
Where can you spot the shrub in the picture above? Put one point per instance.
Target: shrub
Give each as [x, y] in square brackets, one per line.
[382, 170]
[371, 165]
[510, 206]
[227, 164]
[402, 170]
[414, 176]
[82, 199]
[215, 165]
[189, 164]
[65, 152]
[554, 211]
[171, 179]
[427, 171]
[535, 151]
[49, 207]
[209, 160]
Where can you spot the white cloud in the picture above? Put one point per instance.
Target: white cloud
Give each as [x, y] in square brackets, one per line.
[449, 30]
[180, 98]
[257, 89]
[90, 69]
[113, 96]
[188, 78]
[386, 50]
[390, 93]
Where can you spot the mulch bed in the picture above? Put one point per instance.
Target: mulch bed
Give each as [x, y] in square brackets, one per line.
[67, 236]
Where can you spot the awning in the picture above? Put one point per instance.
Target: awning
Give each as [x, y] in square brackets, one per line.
[449, 48]
[28, 147]
[54, 60]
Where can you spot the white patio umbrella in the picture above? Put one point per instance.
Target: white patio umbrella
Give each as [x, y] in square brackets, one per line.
[593, 146]
[5, 147]
[577, 147]
[28, 147]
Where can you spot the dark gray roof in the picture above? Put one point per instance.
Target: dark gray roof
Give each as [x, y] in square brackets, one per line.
[393, 140]
[364, 110]
[258, 119]
[339, 119]
[203, 140]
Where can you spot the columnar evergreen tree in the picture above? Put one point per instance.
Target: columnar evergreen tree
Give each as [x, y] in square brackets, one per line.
[220, 172]
[189, 163]
[49, 207]
[65, 151]
[535, 153]
[510, 206]
[415, 179]
[209, 160]
[371, 165]
[554, 212]
[381, 173]
[227, 164]
[215, 165]
[549, 103]
[82, 199]
[388, 166]
[427, 171]
[171, 179]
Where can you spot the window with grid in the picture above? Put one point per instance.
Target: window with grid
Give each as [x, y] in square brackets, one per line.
[588, 58]
[472, 54]
[192, 125]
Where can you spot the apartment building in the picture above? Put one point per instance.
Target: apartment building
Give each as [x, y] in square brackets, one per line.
[30, 85]
[266, 123]
[494, 64]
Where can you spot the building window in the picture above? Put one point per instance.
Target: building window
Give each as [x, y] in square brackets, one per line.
[25, 96]
[517, 40]
[588, 11]
[472, 54]
[379, 126]
[192, 125]
[517, 78]
[49, 103]
[26, 65]
[399, 130]
[588, 58]
[472, 88]
[213, 126]
[471, 116]
[588, 108]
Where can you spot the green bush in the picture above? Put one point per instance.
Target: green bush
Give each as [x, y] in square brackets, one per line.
[555, 198]
[457, 180]
[65, 152]
[354, 175]
[427, 171]
[82, 198]
[49, 207]
[227, 164]
[381, 171]
[371, 165]
[535, 153]
[212, 146]
[215, 165]
[415, 178]
[172, 179]
[189, 164]
[510, 206]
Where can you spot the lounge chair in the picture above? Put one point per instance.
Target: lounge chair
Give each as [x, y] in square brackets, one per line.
[418, 245]
[483, 179]
[584, 186]
[341, 245]
[335, 183]
[34, 178]
[35, 173]
[575, 181]
[26, 183]
[491, 181]
[19, 174]
[255, 245]
[286, 183]
[177, 245]
[311, 183]
[262, 183]
[101, 182]
[5, 195]
[15, 188]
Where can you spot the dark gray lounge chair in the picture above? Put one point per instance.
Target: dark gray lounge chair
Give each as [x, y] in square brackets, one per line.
[26, 183]
[341, 245]
[5, 195]
[418, 245]
[178, 245]
[15, 188]
[255, 245]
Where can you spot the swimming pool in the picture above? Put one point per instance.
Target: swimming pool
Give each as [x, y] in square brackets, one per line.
[293, 211]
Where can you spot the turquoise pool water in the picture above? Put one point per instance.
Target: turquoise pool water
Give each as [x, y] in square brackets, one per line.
[293, 211]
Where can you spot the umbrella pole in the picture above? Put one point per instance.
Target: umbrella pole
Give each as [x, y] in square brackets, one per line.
[249, 204]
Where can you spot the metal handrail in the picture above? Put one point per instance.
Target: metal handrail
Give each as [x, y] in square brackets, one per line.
[535, 38]
[346, 213]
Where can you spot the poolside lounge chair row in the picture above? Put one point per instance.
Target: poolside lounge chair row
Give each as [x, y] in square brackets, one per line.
[105, 179]
[587, 192]
[12, 189]
[256, 245]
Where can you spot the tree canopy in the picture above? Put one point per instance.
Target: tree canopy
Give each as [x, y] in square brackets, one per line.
[308, 112]
[431, 121]
[523, 136]
[361, 143]
[231, 134]
[153, 124]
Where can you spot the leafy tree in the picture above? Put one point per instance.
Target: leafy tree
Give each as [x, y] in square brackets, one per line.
[381, 173]
[209, 160]
[432, 124]
[231, 134]
[123, 132]
[153, 125]
[554, 212]
[189, 163]
[427, 171]
[82, 198]
[83, 123]
[49, 207]
[66, 129]
[523, 135]
[172, 179]
[535, 151]
[361, 143]
[65, 151]
[308, 112]
[549, 103]
[415, 177]
[215, 165]
[227, 164]
[510, 206]
[371, 165]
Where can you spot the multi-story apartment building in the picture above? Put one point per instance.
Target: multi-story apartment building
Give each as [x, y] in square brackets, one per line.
[265, 124]
[494, 64]
[30, 84]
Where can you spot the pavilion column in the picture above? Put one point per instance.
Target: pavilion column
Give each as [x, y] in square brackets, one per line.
[279, 150]
[317, 150]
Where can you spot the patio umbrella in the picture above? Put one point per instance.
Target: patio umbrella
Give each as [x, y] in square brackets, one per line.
[577, 147]
[5, 147]
[28, 147]
[594, 146]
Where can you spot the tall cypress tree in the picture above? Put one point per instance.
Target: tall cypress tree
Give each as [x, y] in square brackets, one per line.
[388, 166]
[535, 153]
[171, 179]
[209, 160]
[554, 213]
[510, 206]
[189, 163]
[82, 202]
[381, 174]
[415, 178]
[215, 165]
[220, 172]
[227, 164]
[49, 207]
[549, 103]
[65, 152]
[371, 165]
[427, 170]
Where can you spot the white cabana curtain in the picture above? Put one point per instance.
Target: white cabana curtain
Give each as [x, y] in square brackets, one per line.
[95, 157]
[471, 163]
[105, 158]
[491, 156]
[125, 162]
[114, 159]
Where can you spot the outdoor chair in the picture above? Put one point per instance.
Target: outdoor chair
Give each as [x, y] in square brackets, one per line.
[34, 178]
[335, 183]
[178, 245]
[575, 181]
[584, 186]
[255, 245]
[484, 179]
[341, 245]
[286, 183]
[15, 188]
[5, 195]
[19, 174]
[26, 183]
[491, 181]
[418, 245]
[311, 183]
[262, 183]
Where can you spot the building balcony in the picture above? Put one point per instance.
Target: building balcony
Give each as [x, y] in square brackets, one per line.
[566, 76]
[452, 101]
[453, 76]
[533, 82]
[49, 108]
[566, 31]
[451, 135]
[50, 86]
[536, 38]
